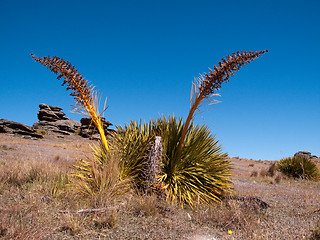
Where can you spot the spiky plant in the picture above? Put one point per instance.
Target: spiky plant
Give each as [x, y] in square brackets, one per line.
[193, 166]
[299, 167]
[202, 173]
[132, 141]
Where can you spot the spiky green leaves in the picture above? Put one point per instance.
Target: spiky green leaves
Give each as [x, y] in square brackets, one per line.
[299, 167]
[201, 173]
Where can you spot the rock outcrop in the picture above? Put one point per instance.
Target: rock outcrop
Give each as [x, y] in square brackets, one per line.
[7, 126]
[88, 130]
[305, 154]
[50, 113]
[53, 120]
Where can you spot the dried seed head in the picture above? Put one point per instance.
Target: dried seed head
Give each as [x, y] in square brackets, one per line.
[212, 81]
[81, 91]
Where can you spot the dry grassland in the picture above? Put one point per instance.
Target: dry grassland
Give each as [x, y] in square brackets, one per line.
[32, 206]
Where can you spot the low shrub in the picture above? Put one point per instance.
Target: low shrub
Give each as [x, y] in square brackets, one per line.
[299, 167]
[254, 174]
[41, 132]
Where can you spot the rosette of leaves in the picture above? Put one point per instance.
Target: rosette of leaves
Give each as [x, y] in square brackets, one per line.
[202, 173]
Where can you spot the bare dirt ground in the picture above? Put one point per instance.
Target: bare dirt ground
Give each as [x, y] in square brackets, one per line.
[28, 212]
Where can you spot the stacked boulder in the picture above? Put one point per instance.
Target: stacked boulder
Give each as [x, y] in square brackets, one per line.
[88, 130]
[12, 127]
[53, 120]
[305, 154]
[50, 113]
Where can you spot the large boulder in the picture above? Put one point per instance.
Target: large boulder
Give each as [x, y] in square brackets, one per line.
[305, 154]
[12, 127]
[53, 120]
[50, 113]
[88, 129]
[65, 127]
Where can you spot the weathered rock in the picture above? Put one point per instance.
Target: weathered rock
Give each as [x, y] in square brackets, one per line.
[50, 113]
[61, 126]
[53, 120]
[12, 127]
[305, 154]
[69, 125]
[15, 125]
[50, 116]
[49, 107]
[88, 129]
[31, 134]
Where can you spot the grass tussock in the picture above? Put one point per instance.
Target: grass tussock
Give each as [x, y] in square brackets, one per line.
[232, 217]
[315, 233]
[99, 179]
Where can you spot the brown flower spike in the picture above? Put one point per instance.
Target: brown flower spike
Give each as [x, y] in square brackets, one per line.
[86, 99]
[208, 84]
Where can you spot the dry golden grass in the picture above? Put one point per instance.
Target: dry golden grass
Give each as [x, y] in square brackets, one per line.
[33, 204]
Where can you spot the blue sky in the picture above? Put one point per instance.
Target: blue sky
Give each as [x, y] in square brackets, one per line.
[144, 55]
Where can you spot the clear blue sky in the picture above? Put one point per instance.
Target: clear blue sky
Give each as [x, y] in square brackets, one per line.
[143, 56]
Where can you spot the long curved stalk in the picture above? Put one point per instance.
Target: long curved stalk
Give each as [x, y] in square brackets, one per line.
[210, 83]
[84, 95]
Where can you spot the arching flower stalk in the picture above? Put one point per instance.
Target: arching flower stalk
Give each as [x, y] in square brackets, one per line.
[207, 85]
[86, 99]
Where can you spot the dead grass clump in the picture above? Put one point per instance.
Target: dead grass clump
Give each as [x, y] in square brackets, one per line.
[145, 205]
[278, 178]
[106, 220]
[57, 158]
[98, 181]
[254, 173]
[26, 173]
[72, 224]
[315, 234]
[25, 216]
[263, 172]
[6, 148]
[232, 216]
[272, 170]
[19, 173]
[268, 172]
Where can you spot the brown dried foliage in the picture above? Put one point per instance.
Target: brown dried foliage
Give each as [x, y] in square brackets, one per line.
[81, 91]
[86, 98]
[232, 63]
[209, 84]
